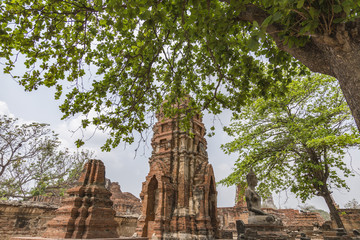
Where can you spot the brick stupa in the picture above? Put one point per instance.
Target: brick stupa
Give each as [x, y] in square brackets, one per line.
[87, 212]
[179, 194]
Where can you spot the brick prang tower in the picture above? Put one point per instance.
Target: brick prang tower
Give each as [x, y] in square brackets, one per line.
[179, 194]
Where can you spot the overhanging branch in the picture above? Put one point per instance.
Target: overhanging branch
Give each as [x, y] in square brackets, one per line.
[310, 54]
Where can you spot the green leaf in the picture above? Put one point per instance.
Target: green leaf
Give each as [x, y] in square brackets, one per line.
[253, 44]
[300, 4]
[337, 8]
[266, 22]
[102, 22]
[313, 13]
[347, 6]
[277, 16]
[339, 20]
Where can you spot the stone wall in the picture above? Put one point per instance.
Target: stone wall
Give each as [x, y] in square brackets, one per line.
[30, 218]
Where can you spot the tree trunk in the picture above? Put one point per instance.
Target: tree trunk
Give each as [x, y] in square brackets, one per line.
[337, 56]
[343, 64]
[346, 69]
[331, 205]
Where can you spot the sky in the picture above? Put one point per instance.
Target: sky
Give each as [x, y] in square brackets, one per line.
[128, 170]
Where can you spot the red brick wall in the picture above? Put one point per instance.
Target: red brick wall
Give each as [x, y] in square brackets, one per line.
[292, 219]
[30, 218]
[350, 218]
[21, 219]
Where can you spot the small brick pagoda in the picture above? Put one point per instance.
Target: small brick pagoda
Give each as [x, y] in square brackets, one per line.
[179, 194]
[87, 212]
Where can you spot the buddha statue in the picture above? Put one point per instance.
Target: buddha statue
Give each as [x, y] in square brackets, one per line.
[253, 202]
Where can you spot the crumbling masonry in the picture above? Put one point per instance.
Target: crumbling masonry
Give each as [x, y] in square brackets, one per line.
[87, 212]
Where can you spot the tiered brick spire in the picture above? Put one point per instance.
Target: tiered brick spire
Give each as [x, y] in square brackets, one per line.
[87, 212]
[179, 194]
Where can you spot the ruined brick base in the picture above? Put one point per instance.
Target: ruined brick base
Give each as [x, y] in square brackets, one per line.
[265, 232]
[186, 236]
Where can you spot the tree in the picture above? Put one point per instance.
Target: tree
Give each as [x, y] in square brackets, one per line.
[31, 162]
[220, 52]
[297, 141]
[352, 204]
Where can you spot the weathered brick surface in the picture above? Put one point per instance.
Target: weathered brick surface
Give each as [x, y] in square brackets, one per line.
[24, 218]
[87, 212]
[124, 203]
[30, 218]
[179, 194]
[126, 225]
[350, 218]
[240, 196]
[294, 219]
[228, 216]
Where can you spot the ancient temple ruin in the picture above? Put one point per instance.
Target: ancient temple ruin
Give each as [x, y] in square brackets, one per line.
[87, 212]
[179, 194]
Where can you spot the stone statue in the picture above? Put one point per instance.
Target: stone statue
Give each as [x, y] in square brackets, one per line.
[253, 202]
[253, 199]
[260, 224]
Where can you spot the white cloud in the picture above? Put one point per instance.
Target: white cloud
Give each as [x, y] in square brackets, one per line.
[4, 109]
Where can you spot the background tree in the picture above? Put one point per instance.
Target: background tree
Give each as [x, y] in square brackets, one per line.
[352, 204]
[31, 162]
[309, 208]
[297, 141]
[220, 52]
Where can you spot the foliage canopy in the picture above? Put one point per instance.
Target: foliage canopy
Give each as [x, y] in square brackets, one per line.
[220, 52]
[295, 142]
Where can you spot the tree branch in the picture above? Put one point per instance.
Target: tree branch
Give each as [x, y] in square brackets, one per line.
[309, 54]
